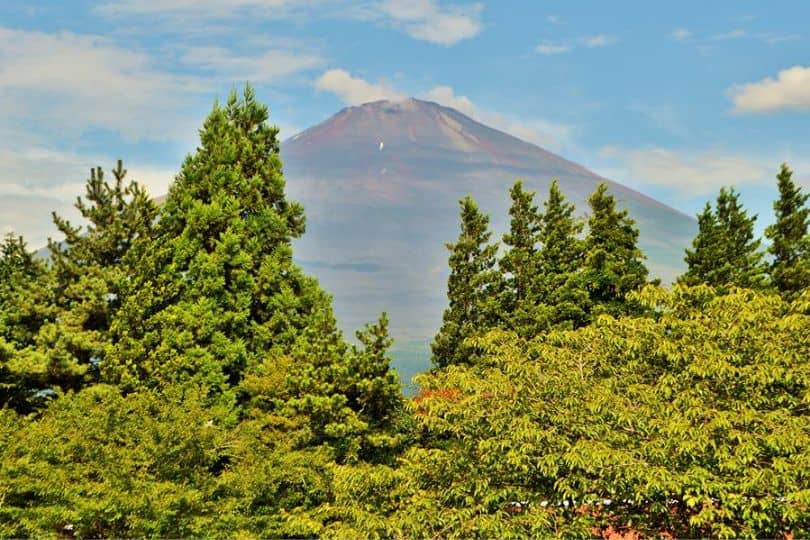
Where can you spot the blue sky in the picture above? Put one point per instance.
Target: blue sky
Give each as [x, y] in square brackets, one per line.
[674, 100]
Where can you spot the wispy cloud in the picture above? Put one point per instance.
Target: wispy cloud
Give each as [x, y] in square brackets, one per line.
[554, 19]
[424, 20]
[686, 173]
[266, 66]
[664, 116]
[681, 34]
[198, 9]
[427, 20]
[599, 40]
[789, 90]
[72, 82]
[737, 33]
[548, 48]
[687, 36]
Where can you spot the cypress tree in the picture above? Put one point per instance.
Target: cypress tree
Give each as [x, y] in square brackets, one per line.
[559, 263]
[613, 262]
[789, 236]
[471, 288]
[216, 291]
[518, 302]
[725, 251]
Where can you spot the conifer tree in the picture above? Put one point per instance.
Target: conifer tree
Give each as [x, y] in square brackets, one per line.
[216, 291]
[559, 263]
[471, 288]
[518, 302]
[88, 273]
[613, 262]
[725, 251]
[350, 395]
[24, 292]
[790, 237]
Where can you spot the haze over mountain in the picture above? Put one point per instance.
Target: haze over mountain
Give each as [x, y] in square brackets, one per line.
[381, 182]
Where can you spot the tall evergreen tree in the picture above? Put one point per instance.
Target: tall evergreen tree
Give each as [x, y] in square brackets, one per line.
[216, 291]
[215, 300]
[559, 263]
[471, 288]
[613, 262]
[790, 237]
[725, 250]
[518, 302]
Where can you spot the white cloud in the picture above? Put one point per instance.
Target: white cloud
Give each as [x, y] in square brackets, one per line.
[444, 95]
[599, 40]
[733, 34]
[194, 8]
[352, 90]
[548, 48]
[70, 82]
[425, 20]
[790, 90]
[428, 21]
[267, 66]
[554, 19]
[681, 34]
[687, 174]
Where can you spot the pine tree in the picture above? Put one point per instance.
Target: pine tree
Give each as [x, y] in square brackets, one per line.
[790, 237]
[559, 263]
[613, 262]
[471, 288]
[725, 251]
[25, 306]
[88, 274]
[518, 303]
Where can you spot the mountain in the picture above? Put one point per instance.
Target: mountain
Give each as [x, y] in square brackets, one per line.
[380, 184]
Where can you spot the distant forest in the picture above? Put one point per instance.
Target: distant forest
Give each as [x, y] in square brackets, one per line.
[169, 371]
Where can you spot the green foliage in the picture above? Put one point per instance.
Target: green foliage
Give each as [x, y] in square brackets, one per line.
[352, 398]
[471, 288]
[518, 295]
[559, 264]
[567, 401]
[613, 264]
[25, 306]
[694, 422]
[725, 251]
[89, 277]
[24, 292]
[216, 291]
[154, 464]
[790, 237]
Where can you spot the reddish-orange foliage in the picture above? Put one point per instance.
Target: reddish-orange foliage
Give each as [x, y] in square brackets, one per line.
[449, 394]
